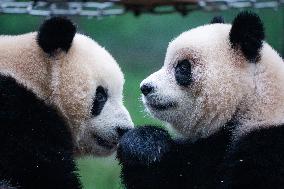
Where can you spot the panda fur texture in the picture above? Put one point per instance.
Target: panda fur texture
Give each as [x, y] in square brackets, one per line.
[60, 96]
[221, 87]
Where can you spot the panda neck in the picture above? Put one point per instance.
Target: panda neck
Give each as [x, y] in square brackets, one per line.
[264, 105]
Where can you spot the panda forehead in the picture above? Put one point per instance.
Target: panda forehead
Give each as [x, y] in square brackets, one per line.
[199, 41]
[177, 55]
[96, 62]
[112, 82]
[202, 44]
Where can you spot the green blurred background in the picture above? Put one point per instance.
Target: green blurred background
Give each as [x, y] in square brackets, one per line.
[139, 45]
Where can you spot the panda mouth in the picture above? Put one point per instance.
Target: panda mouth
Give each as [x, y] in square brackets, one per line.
[162, 107]
[105, 143]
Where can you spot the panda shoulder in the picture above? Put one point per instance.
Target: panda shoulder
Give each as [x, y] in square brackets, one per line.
[27, 120]
[20, 106]
[260, 143]
[255, 158]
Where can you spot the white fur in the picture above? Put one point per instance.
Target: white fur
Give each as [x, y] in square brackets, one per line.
[225, 84]
[69, 81]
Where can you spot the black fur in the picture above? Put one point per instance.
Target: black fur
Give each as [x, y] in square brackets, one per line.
[56, 33]
[183, 73]
[167, 163]
[255, 161]
[217, 20]
[99, 101]
[5, 185]
[143, 151]
[36, 144]
[247, 34]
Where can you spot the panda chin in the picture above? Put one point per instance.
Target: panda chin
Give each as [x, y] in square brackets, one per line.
[95, 145]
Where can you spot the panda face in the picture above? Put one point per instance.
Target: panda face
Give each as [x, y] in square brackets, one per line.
[201, 83]
[86, 86]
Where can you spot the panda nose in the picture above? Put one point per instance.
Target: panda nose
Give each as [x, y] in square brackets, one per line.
[121, 131]
[146, 89]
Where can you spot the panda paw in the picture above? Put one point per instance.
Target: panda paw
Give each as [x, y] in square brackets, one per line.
[143, 145]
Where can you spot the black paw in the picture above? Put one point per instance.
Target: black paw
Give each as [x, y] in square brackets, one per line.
[143, 145]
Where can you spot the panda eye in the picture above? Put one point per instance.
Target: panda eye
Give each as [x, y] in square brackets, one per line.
[99, 101]
[183, 72]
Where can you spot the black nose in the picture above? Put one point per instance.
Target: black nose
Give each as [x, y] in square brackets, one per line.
[146, 89]
[121, 131]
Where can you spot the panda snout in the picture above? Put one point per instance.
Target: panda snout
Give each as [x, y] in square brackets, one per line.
[147, 89]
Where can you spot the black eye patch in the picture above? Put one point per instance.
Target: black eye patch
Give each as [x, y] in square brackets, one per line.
[99, 101]
[183, 72]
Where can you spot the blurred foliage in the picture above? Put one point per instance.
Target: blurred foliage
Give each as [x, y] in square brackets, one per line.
[139, 45]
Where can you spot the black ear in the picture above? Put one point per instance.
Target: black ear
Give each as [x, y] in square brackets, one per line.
[247, 34]
[217, 19]
[56, 33]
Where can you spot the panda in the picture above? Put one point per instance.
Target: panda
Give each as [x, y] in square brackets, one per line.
[221, 88]
[60, 97]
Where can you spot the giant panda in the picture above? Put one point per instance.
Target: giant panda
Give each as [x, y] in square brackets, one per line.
[222, 89]
[60, 96]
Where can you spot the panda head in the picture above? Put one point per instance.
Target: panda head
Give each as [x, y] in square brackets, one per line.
[207, 72]
[86, 86]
